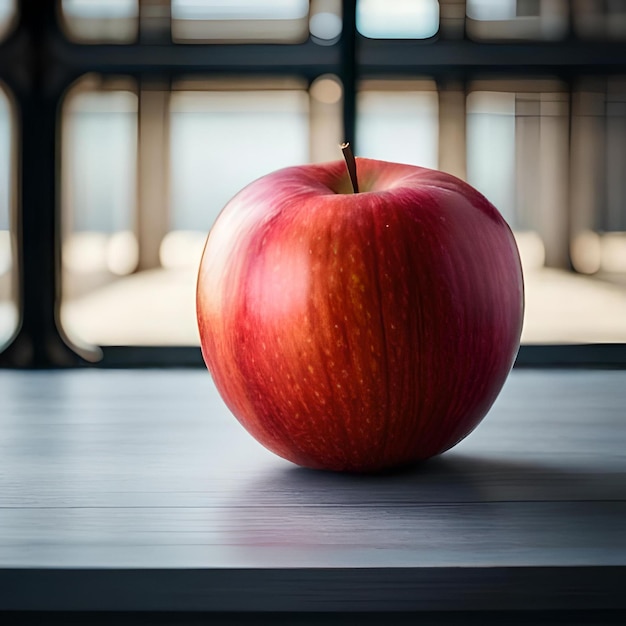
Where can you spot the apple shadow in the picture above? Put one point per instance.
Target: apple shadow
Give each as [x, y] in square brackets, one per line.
[290, 510]
[452, 477]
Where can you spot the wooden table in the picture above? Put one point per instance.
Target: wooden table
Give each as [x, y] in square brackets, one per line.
[131, 492]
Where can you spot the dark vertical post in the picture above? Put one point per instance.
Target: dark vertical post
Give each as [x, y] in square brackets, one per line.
[39, 341]
[348, 44]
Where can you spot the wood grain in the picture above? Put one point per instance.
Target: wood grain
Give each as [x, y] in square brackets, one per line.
[137, 490]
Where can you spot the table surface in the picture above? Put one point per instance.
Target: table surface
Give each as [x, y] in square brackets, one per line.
[131, 490]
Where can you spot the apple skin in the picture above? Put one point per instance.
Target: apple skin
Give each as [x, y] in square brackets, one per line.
[359, 332]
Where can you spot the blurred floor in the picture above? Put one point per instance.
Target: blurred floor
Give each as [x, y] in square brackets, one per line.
[154, 307]
[158, 307]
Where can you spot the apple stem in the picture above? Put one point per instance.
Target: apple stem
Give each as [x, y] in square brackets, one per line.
[351, 165]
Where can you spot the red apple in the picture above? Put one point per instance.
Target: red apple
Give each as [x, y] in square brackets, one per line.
[359, 331]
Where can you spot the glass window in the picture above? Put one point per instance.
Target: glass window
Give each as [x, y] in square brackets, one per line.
[233, 130]
[401, 19]
[517, 19]
[398, 121]
[519, 156]
[8, 14]
[280, 21]
[8, 305]
[99, 21]
[599, 187]
[99, 191]
[491, 149]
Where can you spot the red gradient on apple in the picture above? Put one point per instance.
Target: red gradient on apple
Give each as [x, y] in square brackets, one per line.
[364, 331]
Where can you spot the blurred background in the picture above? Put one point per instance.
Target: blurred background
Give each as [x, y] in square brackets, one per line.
[146, 160]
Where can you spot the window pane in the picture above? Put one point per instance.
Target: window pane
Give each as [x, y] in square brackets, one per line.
[99, 197]
[8, 14]
[94, 21]
[239, 9]
[520, 157]
[491, 149]
[598, 178]
[101, 148]
[240, 20]
[517, 153]
[401, 19]
[222, 140]
[517, 19]
[8, 307]
[488, 10]
[398, 122]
